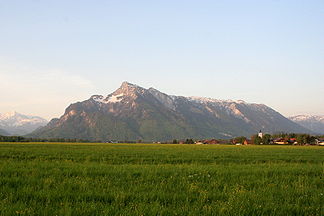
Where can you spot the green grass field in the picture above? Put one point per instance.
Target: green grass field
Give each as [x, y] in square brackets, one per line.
[147, 179]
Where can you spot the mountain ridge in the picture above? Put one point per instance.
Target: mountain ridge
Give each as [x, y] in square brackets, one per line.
[132, 112]
[312, 122]
[15, 123]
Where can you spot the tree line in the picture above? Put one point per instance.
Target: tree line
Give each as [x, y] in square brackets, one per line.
[27, 139]
[266, 139]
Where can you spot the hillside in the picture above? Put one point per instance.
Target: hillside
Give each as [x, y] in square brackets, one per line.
[133, 113]
[312, 122]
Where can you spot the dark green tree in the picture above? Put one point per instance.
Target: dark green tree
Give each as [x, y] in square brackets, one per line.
[266, 139]
[240, 139]
[189, 141]
[175, 141]
[256, 140]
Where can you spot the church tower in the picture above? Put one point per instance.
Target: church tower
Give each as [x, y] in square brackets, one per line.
[260, 134]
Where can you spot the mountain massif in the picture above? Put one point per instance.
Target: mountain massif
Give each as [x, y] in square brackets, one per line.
[18, 124]
[133, 113]
[312, 122]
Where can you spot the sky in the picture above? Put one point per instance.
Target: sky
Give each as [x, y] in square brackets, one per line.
[54, 53]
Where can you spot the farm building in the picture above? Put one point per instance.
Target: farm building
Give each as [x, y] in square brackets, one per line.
[211, 141]
[281, 141]
[320, 142]
[247, 142]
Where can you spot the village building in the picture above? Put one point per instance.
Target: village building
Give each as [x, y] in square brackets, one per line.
[260, 134]
[281, 141]
[211, 141]
[293, 141]
[247, 142]
[320, 142]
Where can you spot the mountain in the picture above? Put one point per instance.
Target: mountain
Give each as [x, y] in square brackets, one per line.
[312, 122]
[133, 112]
[19, 124]
[4, 133]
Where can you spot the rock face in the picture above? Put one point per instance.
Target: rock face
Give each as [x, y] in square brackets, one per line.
[133, 113]
[311, 122]
[18, 124]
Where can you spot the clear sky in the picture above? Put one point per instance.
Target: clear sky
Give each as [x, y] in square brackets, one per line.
[53, 53]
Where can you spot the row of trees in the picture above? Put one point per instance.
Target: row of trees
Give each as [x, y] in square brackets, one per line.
[187, 141]
[267, 139]
[300, 138]
[25, 139]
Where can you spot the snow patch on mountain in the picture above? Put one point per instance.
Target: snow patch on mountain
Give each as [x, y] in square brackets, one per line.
[108, 99]
[230, 106]
[212, 100]
[17, 119]
[16, 123]
[115, 98]
[98, 98]
[312, 122]
[318, 118]
[202, 99]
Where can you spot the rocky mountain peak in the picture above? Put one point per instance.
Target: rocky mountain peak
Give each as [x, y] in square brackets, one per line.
[128, 90]
[126, 84]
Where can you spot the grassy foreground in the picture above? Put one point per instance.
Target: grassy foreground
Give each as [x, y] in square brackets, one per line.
[133, 179]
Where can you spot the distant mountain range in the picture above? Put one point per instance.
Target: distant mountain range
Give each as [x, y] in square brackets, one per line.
[14, 123]
[4, 133]
[132, 113]
[312, 122]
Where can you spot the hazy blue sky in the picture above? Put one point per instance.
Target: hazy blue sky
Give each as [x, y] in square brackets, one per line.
[53, 53]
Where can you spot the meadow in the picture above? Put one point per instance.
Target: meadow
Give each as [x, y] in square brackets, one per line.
[152, 179]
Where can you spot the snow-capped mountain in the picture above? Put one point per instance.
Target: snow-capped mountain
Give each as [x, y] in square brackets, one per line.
[312, 122]
[133, 112]
[19, 124]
